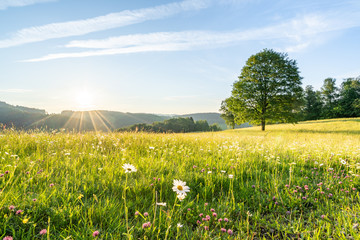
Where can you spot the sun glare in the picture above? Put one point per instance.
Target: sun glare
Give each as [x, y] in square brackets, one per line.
[84, 99]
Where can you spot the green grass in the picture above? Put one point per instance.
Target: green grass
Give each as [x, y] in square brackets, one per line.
[80, 186]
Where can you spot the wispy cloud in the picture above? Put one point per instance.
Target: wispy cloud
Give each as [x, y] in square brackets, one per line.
[301, 32]
[4, 4]
[109, 21]
[15, 90]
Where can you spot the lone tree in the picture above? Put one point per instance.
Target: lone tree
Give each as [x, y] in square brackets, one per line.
[268, 90]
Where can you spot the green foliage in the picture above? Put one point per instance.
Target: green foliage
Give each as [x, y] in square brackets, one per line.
[349, 98]
[174, 125]
[313, 104]
[330, 95]
[268, 90]
[227, 115]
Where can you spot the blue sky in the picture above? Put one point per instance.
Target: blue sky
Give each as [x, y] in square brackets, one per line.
[163, 56]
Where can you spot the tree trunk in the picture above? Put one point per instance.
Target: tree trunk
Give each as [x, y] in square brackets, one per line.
[262, 124]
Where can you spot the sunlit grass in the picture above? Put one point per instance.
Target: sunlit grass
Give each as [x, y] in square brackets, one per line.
[73, 184]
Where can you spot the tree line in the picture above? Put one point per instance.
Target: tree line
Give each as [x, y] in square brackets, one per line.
[332, 101]
[173, 125]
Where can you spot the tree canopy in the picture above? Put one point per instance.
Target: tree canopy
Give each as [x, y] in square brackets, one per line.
[268, 90]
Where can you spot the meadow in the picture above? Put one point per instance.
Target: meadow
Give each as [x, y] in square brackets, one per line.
[290, 182]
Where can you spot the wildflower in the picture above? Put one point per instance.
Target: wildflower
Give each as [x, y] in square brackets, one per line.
[189, 209]
[209, 172]
[354, 189]
[146, 214]
[212, 210]
[34, 199]
[129, 168]
[180, 187]
[194, 166]
[223, 171]
[231, 176]
[323, 216]
[253, 186]
[202, 170]
[230, 232]
[25, 220]
[288, 212]
[226, 220]
[43, 232]
[343, 162]
[287, 185]
[151, 147]
[223, 230]
[179, 225]
[7, 172]
[306, 187]
[161, 204]
[146, 225]
[214, 214]
[96, 233]
[220, 219]
[274, 198]
[206, 228]
[137, 213]
[8, 238]
[201, 215]
[181, 197]
[19, 212]
[198, 222]
[11, 207]
[208, 218]
[276, 203]
[51, 185]
[206, 204]
[248, 213]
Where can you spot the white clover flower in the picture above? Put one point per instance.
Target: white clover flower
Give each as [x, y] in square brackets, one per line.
[179, 225]
[129, 168]
[180, 187]
[231, 176]
[209, 172]
[223, 171]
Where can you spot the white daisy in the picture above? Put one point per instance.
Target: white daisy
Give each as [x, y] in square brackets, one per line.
[181, 197]
[179, 225]
[343, 162]
[231, 176]
[129, 168]
[180, 187]
[161, 204]
[209, 172]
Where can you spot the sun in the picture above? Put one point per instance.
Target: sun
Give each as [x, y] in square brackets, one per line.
[84, 99]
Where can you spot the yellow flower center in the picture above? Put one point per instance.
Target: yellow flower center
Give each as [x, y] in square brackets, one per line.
[180, 188]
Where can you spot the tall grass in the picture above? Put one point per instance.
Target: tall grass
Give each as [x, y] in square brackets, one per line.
[292, 181]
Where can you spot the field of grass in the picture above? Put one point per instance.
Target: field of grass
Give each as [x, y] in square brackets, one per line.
[289, 182]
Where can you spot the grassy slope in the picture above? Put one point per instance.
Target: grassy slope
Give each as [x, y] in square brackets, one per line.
[89, 183]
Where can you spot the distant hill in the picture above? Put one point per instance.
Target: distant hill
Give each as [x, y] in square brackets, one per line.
[101, 120]
[18, 116]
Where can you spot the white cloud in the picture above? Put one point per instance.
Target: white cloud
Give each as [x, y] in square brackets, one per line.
[15, 90]
[300, 32]
[20, 3]
[112, 20]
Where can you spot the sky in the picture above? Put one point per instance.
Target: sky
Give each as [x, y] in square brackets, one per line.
[163, 57]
